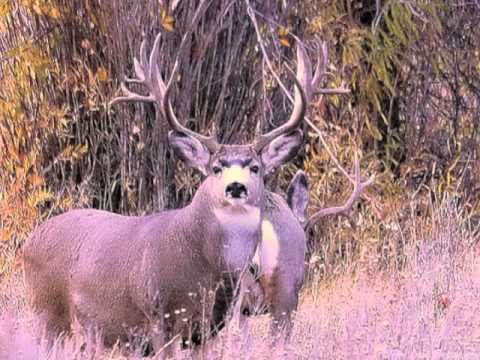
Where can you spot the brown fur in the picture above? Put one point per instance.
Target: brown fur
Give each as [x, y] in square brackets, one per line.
[118, 273]
[278, 291]
[155, 275]
[283, 285]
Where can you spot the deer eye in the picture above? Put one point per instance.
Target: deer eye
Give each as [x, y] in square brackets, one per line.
[254, 169]
[217, 170]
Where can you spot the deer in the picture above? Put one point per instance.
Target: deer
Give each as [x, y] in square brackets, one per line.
[277, 269]
[154, 274]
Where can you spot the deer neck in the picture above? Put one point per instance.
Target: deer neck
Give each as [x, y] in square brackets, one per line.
[230, 234]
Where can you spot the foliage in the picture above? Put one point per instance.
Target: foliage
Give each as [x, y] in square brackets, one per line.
[413, 113]
[30, 118]
[429, 309]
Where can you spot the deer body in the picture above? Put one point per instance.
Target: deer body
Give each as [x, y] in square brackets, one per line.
[281, 276]
[155, 273]
[279, 258]
[118, 272]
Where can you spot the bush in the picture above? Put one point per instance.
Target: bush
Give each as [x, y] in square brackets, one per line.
[413, 113]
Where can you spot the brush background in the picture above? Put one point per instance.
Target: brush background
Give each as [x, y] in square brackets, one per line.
[413, 114]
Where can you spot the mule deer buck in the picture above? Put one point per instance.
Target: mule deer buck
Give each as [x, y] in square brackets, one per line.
[275, 288]
[114, 273]
[277, 269]
[279, 260]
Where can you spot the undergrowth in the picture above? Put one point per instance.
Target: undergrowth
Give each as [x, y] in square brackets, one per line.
[427, 308]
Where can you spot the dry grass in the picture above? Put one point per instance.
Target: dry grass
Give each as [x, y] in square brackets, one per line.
[430, 309]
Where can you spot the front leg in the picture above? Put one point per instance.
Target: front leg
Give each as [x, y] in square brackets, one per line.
[281, 299]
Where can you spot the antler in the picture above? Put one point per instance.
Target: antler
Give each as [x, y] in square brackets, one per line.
[303, 83]
[148, 74]
[358, 188]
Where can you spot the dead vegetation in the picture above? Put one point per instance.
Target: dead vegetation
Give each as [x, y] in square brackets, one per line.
[429, 308]
[397, 280]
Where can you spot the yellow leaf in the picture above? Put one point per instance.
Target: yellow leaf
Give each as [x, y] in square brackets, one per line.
[5, 234]
[283, 31]
[37, 9]
[5, 8]
[66, 153]
[168, 23]
[82, 149]
[285, 42]
[39, 197]
[102, 74]
[168, 19]
[168, 27]
[79, 151]
[54, 13]
[36, 180]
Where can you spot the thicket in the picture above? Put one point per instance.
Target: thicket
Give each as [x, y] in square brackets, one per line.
[413, 68]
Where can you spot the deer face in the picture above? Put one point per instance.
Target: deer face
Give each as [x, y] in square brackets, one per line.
[235, 173]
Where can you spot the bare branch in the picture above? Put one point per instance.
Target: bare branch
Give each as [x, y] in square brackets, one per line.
[328, 150]
[336, 91]
[302, 86]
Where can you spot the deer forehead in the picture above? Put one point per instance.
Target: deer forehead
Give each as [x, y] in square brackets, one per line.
[235, 153]
[236, 173]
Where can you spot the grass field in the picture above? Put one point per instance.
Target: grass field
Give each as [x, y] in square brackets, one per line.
[430, 309]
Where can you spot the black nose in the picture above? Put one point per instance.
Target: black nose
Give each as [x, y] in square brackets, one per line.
[236, 190]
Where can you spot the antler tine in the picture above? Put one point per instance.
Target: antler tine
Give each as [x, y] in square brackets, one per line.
[140, 66]
[143, 78]
[143, 52]
[153, 69]
[131, 96]
[149, 75]
[358, 188]
[209, 141]
[320, 71]
[156, 83]
[303, 82]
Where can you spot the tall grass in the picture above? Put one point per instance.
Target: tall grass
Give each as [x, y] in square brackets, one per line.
[429, 308]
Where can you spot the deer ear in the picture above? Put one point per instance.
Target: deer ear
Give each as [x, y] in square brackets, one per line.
[297, 195]
[281, 150]
[189, 150]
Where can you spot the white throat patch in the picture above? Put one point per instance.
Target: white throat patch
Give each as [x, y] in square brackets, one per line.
[242, 229]
[246, 216]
